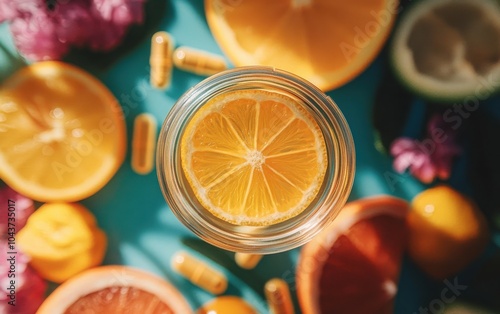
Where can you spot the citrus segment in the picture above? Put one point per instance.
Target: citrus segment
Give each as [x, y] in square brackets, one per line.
[353, 265]
[254, 157]
[326, 42]
[115, 289]
[62, 133]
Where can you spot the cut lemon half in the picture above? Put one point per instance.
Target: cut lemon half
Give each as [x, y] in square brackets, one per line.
[253, 157]
[62, 133]
[326, 42]
[449, 50]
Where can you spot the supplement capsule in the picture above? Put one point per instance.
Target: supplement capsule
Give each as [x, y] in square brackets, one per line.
[247, 261]
[160, 59]
[198, 61]
[278, 297]
[199, 273]
[143, 143]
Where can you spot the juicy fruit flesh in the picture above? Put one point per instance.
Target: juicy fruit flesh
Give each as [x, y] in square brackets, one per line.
[61, 134]
[456, 42]
[327, 42]
[117, 300]
[254, 157]
[365, 263]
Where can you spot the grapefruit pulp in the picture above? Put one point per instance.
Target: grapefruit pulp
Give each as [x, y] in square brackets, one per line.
[353, 266]
[114, 290]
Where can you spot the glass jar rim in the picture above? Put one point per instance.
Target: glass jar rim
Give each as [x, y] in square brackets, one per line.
[275, 238]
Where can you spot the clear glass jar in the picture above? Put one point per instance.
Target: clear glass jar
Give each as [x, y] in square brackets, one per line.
[274, 238]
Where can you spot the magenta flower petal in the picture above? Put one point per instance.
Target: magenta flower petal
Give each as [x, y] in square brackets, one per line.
[74, 22]
[112, 19]
[36, 37]
[20, 206]
[120, 12]
[401, 145]
[425, 172]
[43, 33]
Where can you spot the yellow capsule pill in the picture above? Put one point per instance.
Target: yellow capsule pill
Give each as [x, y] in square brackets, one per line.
[160, 59]
[198, 61]
[278, 297]
[143, 143]
[247, 261]
[199, 273]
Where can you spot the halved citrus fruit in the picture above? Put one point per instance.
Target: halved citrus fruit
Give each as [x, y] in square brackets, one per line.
[353, 266]
[326, 42]
[113, 290]
[254, 157]
[449, 50]
[62, 133]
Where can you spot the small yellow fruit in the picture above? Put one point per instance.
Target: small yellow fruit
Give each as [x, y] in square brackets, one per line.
[446, 231]
[62, 240]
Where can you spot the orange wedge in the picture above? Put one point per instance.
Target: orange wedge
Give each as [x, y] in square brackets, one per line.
[62, 133]
[328, 42]
[254, 157]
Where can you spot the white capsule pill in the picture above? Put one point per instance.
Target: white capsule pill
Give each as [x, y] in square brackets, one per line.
[199, 273]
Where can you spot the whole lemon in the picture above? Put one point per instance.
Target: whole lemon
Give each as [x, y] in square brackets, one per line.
[446, 231]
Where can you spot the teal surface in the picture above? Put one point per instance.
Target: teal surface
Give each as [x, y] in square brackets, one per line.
[141, 229]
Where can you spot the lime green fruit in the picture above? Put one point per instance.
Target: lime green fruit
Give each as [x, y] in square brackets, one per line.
[449, 50]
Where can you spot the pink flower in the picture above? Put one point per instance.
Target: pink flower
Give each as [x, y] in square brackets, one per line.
[13, 205]
[430, 158]
[28, 286]
[47, 29]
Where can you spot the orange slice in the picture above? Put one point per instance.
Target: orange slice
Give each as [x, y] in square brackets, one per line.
[115, 290]
[328, 42]
[62, 133]
[352, 267]
[253, 157]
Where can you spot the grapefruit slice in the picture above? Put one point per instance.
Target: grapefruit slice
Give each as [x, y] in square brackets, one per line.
[62, 133]
[115, 290]
[449, 50]
[328, 42]
[353, 266]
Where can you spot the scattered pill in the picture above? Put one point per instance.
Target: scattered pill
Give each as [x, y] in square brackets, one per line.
[227, 304]
[247, 261]
[143, 143]
[199, 273]
[198, 61]
[278, 297]
[160, 59]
